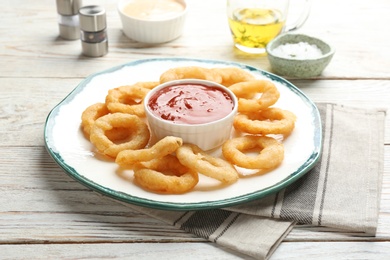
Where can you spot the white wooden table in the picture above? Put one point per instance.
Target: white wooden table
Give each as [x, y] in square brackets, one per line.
[46, 214]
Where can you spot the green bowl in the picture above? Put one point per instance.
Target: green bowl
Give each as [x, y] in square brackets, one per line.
[298, 66]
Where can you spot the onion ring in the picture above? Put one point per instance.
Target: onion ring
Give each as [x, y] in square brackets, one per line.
[270, 156]
[195, 158]
[270, 95]
[190, 72]
[128, 99]
[90, 114]
[138, 133]
[93, 112]
[165, 146]
[233, 75]
[165, 175]
[269, 121]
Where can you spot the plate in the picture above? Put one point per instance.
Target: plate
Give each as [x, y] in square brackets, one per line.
[69, 148]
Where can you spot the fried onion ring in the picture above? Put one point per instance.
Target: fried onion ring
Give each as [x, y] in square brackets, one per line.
[93, 112]
[269, 96]
[128, 99]
[165, 146]
[269, 121]
[190, 72]
[195, 158]
[138, 133]
[270, 156]
[165, 175]
[233, 75]
[90, 114]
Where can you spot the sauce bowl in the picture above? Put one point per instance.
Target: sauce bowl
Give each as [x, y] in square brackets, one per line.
[208, 135]
[142, 24]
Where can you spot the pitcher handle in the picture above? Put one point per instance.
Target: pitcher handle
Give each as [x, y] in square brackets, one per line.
[302, 19]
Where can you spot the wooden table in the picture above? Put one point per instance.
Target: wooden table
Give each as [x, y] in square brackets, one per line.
[46, 214]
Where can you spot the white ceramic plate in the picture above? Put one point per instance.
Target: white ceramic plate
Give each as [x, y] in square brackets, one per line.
[69, 148]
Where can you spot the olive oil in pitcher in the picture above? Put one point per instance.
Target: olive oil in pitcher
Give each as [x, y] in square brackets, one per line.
[255, 27]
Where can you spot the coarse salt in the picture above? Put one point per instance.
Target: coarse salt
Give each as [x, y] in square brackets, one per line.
[299, 51]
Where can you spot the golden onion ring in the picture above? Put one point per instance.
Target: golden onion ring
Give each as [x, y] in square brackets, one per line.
[269, 95]
[271, 152]
[190, 72]
[233, 75]
[165, 175]
[139, 133]
[195, 158]
[269, 121]
[129, 98]
[163, 147]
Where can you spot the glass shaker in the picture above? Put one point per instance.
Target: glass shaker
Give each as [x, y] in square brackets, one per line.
[68, 19]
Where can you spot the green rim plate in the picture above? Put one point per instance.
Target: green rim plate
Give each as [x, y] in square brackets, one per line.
[75, 155]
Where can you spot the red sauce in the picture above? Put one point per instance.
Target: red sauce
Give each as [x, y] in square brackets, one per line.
[191, 104]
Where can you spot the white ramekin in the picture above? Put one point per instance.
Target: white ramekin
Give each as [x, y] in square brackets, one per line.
[208, 135]
[152, 32]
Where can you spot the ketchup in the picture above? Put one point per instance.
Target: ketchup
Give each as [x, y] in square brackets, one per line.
[191, 104]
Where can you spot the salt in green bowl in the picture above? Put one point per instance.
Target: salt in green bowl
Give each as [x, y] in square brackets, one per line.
[299, 67]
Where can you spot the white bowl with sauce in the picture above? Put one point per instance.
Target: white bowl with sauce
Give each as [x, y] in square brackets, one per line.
[204, 118]
[152, 21]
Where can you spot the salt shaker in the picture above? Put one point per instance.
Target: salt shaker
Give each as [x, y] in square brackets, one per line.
[68, 19]
[93, 31]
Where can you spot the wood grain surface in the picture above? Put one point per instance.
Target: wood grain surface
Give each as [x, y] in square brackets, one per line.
[46, 214]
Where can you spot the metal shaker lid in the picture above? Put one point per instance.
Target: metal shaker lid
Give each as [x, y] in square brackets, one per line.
[68, 7]
[92, 18]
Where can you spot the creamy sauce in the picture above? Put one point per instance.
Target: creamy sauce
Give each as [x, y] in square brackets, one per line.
[191, 104]
[153, 10]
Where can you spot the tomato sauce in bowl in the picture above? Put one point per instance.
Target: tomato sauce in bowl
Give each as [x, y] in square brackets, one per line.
[191, 103]
[201, 112]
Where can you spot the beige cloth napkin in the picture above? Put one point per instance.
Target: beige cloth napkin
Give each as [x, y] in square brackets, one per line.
[341, 191]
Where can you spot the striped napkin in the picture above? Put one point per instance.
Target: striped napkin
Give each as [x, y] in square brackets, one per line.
[341, 191]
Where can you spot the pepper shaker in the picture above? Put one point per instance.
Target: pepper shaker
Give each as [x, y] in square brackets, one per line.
[68, 19]
[93, 31]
